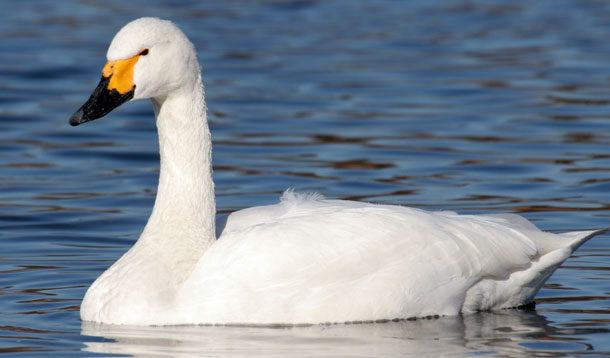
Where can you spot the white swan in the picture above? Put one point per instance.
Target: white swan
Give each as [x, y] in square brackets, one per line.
[304, 260]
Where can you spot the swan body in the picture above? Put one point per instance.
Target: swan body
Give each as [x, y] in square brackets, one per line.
[305, 260]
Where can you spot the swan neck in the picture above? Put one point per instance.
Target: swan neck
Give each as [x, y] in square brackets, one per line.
[185, 208]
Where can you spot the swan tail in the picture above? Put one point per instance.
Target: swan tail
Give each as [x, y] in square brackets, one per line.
[544, 267]
[521, 287]
[550, 261]
[580, 237]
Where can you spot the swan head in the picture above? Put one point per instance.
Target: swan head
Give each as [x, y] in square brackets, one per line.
[148, 58]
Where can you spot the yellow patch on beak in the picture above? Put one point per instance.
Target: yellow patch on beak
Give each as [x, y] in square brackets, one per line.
[121, 73]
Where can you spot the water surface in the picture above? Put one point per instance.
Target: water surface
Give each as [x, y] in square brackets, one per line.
[474, 106]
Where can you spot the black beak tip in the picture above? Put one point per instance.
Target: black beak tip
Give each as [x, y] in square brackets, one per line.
[77, 118]
[101, 102]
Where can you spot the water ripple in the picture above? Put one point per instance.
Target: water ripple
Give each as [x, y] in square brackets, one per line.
[474, 106]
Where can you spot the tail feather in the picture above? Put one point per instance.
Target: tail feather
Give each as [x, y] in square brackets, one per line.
[580, 237]
[522, 285]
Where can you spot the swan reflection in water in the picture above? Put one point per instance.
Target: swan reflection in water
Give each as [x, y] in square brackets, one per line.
[510, 332]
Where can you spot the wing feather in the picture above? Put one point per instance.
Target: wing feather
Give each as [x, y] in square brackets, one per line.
[299, 255]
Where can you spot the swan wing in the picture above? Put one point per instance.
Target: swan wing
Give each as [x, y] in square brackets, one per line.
[315, 260]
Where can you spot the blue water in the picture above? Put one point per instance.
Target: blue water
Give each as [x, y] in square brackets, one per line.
[474, 106]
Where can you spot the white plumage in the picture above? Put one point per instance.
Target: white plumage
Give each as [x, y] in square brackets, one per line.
[305, 259]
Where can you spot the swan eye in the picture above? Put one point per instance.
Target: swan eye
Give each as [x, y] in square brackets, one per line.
[143, 52]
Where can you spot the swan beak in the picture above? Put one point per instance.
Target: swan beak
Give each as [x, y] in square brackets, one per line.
[115, 88]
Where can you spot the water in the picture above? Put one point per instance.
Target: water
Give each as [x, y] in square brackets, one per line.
[478, 106]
